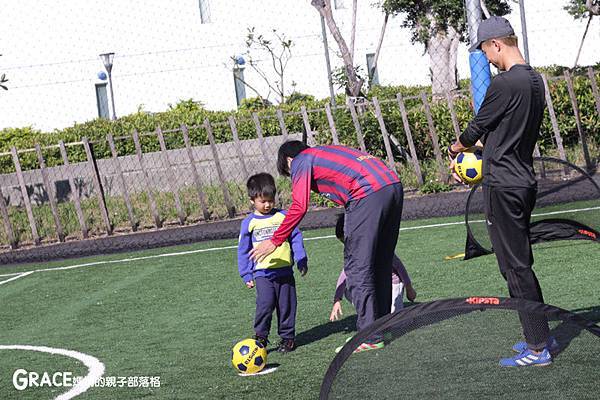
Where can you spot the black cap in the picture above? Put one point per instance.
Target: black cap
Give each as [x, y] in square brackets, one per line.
[492, 28]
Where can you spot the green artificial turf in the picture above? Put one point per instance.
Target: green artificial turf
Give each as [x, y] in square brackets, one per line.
[177, 317]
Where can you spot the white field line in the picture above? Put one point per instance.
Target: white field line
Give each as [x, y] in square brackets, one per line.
[94, 366]
[14, 273]
[17, 277]
[566, 211]
[124, 260]
[552, 213]
[181, 253]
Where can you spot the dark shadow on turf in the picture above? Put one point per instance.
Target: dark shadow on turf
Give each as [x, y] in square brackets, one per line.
[348, 325]
[566, 332]
[589, 313]
[560, 244]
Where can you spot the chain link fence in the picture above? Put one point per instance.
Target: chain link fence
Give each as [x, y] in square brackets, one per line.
[197, 173]
[178, 170]
[168, 52]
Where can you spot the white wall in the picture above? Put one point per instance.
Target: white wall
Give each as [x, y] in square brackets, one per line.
[164, 54]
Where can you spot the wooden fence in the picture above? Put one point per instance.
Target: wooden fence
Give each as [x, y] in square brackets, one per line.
[204, 183]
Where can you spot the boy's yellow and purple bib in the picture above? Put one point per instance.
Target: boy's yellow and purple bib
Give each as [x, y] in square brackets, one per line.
[258, 228]
[261, 228]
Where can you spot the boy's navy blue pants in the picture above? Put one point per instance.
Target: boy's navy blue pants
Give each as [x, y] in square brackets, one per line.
[277, 294]
[508, 214]
[371, 230]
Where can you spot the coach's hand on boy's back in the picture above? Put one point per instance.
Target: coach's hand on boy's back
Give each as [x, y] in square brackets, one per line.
[261, 251]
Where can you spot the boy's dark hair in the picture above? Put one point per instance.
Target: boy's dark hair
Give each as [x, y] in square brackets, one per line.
[262, 185]
[291, 149]
[339, 227]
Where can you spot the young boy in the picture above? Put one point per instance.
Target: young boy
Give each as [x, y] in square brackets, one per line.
[400, 281]
[273, 277]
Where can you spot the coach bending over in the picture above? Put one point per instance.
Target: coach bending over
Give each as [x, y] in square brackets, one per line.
[372, 196]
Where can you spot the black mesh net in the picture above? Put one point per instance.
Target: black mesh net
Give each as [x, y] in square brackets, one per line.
[450, 349]
[567, 208]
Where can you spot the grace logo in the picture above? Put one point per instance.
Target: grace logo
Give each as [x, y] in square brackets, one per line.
[23, 379]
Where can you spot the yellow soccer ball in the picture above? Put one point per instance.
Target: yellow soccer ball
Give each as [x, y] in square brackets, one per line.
[249, 356]
[469, 166]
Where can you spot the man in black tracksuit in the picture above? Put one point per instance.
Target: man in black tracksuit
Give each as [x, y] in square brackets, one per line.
[508, 124]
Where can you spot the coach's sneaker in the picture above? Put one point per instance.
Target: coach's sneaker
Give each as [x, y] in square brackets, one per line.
[369, 346]
[286, 346]
[374, 345]
[552, 345]
[527, 358]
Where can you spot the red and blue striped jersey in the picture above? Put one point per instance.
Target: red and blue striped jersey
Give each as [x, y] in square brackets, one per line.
[340, 173]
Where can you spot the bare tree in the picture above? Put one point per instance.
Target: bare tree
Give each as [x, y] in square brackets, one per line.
[354, 82]
[278, 49]
[353, 33]
[378, 50]
[579, 10]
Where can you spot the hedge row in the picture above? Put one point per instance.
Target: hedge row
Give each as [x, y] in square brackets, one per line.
[193, 115]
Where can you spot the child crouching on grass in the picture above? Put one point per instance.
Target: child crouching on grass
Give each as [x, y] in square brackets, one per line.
[273, 277]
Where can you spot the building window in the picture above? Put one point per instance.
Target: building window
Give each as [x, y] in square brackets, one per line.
[205, 11]
[373, 75]
[339, 4]
[102, 100]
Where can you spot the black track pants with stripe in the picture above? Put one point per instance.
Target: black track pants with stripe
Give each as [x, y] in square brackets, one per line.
[508, 215]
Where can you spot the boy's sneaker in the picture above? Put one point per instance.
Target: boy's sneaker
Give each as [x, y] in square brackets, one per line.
[286, 346]
[262, 340]
[527, 358]
[552, 345]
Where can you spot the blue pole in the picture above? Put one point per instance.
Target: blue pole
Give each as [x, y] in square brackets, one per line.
[481, 76]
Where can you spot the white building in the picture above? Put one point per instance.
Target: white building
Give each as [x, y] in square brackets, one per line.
[166, 51]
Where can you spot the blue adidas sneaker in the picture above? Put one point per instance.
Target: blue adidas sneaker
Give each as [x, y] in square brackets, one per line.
[527, 358]
[552, 346]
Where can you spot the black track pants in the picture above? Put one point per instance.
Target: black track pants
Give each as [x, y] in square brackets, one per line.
[370, 234]
[508, 214]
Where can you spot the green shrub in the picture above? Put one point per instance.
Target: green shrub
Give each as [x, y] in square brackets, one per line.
[193, 114]
[433, 186]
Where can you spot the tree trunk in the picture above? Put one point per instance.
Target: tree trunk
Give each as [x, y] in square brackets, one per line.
[594, 9]
[442, 48]
[379, 43]
[354, 82]
[353, 32]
